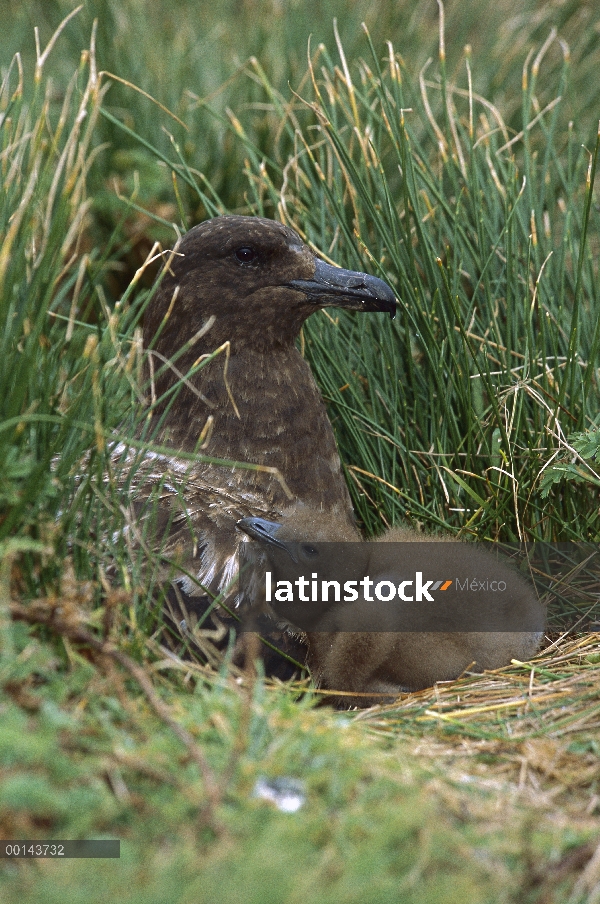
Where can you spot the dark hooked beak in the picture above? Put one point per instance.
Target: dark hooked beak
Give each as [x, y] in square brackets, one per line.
[334, 287]
[264, 531]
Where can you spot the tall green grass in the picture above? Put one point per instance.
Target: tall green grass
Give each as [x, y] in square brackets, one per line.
[489, 239]
[66, 376]
[186, 55]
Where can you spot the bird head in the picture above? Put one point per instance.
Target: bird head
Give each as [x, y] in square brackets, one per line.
[307, 537]
[305, 544]
[253, 281]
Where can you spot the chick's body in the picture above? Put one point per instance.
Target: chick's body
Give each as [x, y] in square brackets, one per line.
[375, 646]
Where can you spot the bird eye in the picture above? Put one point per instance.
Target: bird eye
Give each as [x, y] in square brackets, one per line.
[309, 551]
[246, 254]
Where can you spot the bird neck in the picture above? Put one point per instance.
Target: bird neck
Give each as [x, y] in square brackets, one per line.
[265, 409]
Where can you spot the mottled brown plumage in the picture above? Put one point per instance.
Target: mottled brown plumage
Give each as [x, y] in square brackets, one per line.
[244, 285]
[377, 649]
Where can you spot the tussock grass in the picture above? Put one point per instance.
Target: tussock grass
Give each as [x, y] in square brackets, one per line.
[193, 61]
[51, 381]
[459, 415]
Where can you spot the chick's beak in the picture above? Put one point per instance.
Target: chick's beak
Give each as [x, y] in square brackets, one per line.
[265, 532]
